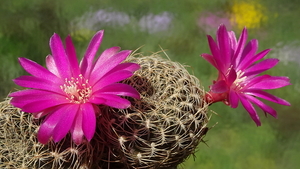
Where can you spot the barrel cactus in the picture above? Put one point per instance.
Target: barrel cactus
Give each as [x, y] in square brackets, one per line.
[164, 127]
[160, 130]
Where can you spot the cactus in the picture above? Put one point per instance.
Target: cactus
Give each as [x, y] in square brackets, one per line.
[160, 130]
[20, 149]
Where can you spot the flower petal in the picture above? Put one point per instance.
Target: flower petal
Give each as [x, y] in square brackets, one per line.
[40, 105]
[233, 43]
[106, 54]
[210, 59]
[24, 97]
[112, 78]
[248, 54]
[97, 100]
[50, 122]
[253, 59]
[273, 82]
[51, 66]
[41, 114]
[233, 99]
[37, 83]
[263, 106]
[253, 80]
[261, 66]
[260, 55]
[219, 87]
[29, 92]
[37, 70]
[239, 49]
[63, 126]
[115, 101]
[132, 67]
[71, 53]
[224, 46]
[119, 89]
[76, 129]
[105, 67]
[89, 120]
[216, 54]
[231, 77]
[87, 61]
[252, 112]
[267, 96]
[60, 56]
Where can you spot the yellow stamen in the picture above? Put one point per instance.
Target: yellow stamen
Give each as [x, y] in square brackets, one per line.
[77, 90]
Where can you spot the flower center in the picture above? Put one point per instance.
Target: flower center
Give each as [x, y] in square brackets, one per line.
[238, 83]
[77, 90]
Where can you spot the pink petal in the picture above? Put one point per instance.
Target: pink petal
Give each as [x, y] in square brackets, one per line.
[105, 67]
[210, 59]
[119, 89]
[89, 120]
[240, 46]
[248, 55]
[41, 105]
[233, 99]
[263, 106]
[112, 78]
[267, 96]
[51, 66]
[97, 100]
[261, 54]
[71, 53]
[219, 87]
[37, 83]
[24, 97]
[132, 67]
[30, 92]
[60, 56]
[255, 58]
[224, 46]
[66, 121]
[48, 125]
[106, 54]
[41, 114]
[115, 101]
[37, 70]
[231, 77]
[261, 66]
[76, 129]
[251, 81]
[87, 61]
[216, 54]
[252, 112]
[273, 82]
[233, 42]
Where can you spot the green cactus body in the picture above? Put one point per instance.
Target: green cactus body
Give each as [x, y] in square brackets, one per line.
[160, 130]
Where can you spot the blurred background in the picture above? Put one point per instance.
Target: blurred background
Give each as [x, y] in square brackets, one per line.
[180, 28]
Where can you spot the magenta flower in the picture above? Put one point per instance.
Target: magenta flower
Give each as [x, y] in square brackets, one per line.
[238, 79]
[68, 93]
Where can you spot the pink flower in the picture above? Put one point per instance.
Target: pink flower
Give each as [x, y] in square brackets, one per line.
[238, 79]
[68, 93]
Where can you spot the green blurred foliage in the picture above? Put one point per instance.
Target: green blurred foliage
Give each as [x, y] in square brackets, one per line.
[235, 142]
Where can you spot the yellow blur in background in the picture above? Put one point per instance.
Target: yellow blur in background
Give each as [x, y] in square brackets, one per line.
[247, 13]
